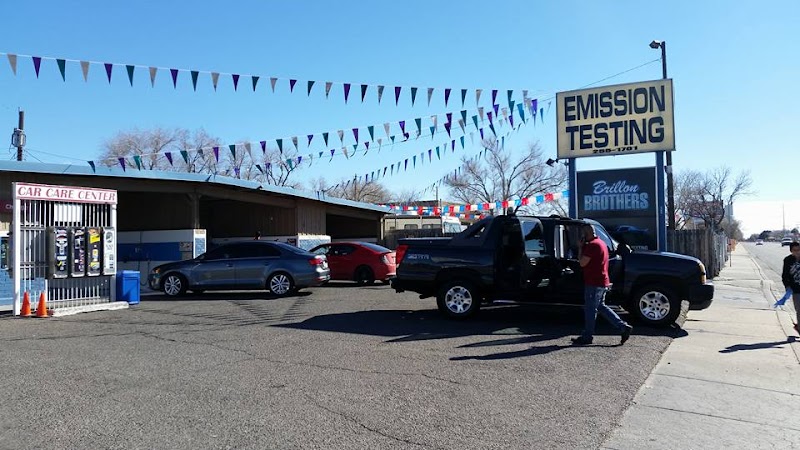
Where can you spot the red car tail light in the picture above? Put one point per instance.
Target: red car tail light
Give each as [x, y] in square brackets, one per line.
[316, 261]
[400, 252]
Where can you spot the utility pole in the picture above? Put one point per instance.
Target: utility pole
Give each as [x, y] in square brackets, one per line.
[670, 184]
[18, 138]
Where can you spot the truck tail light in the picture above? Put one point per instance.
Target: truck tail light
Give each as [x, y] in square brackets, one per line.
[400, 252]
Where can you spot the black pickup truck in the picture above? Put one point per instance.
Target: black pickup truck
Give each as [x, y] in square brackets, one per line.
[534, 259]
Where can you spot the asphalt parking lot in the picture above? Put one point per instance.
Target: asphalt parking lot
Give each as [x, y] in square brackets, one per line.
[338, 366]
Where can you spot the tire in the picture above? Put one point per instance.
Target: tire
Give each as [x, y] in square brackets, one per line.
[174, 285]
[655, 305]
[280, 284]
[364, 276]
[458, 299]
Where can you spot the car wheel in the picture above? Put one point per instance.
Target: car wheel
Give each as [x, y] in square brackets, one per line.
[280, 284]
[655, 305]
[458, 299]
[174, 285]
[364, 275]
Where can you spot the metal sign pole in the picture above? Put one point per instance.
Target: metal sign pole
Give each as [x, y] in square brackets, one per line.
[573, 188]
[661, 214]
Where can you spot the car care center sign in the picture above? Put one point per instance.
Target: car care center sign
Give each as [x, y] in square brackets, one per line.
[624, 201]
[615, 120]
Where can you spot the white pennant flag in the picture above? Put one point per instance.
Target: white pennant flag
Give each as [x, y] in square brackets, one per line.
[294, 141]
[461, 124]
[153, 71]
[272, 82]
[380, 93]
[341, 137]
[480, 112]
[386, 127]
[430, 94]
[214, 79]
[472, 137]
[247, 148]
[505, 112]
[435, 120]
[328, 85]
[85, 70]
[478, 95]
[12, 59]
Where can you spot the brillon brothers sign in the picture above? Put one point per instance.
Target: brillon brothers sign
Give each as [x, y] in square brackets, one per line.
[624, 201]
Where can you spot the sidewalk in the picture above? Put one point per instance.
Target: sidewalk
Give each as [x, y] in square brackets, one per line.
[732, 383]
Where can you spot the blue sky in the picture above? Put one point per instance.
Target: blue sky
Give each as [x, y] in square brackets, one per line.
[732, 66]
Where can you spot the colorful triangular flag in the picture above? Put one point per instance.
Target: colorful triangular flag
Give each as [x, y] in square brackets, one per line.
[153, 71]
[62, 65]
[12, 60]
[214, 79]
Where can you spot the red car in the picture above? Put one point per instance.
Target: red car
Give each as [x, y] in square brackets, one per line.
[361, 262]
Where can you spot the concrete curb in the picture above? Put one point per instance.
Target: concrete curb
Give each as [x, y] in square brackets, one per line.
[113, 306]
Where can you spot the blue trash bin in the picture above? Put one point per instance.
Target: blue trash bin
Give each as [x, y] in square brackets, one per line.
[128, 287]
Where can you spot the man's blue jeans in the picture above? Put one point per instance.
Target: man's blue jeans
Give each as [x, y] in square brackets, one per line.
[594, 302]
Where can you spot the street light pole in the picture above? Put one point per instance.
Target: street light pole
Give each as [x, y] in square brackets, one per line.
[670, 185]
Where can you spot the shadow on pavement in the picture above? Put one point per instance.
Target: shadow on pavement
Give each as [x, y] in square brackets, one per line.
[758, 346]
[221, 296]
[525, 324]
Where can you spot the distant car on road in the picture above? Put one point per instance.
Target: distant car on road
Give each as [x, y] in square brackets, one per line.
[786, 241]
[759, 242]
[252, 265]
[362, 262]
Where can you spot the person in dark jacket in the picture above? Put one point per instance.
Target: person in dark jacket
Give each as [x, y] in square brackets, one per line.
[791, 278]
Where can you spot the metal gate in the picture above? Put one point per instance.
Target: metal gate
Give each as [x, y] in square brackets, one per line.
[64, 245]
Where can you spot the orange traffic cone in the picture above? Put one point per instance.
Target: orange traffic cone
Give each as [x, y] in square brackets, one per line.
[26, 306]
[41, 310]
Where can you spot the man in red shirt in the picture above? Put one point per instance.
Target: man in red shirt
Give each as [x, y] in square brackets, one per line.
[593, 258]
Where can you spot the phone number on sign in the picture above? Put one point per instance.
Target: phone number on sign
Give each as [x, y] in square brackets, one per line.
[629, 148]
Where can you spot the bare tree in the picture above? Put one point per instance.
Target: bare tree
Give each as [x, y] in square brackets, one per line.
[358, 190]
[147, 145]
[195, 145]
[500, 177]
[275, 167]
[705, 195]
[408, 196]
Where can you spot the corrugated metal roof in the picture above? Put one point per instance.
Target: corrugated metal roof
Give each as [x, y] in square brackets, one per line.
[85, 170]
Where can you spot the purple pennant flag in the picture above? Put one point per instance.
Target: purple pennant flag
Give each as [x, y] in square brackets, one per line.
[310, 137]
[511, 120]
[406, 166]
[397, 90]
[496, 110]
[494, 96]
[403, 126]
[216, 153]
[235, 82]
[237, 171]
[122, 163]
[447, 96]
[453, 145]
[263, 146]
[447, 127]
[481, 130]
[174, 73]
[430, 154]
[37, 63]
[169, 157]
[449, 117]
[291, 85]
[346, 91]
[333, 150]
[109, 66]
[489, 116]
[355, 134]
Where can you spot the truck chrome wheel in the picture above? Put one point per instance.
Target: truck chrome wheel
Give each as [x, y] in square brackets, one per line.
[458, 299]
[654, 305]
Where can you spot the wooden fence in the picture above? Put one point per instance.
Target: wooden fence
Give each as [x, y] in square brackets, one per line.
[709, 247]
